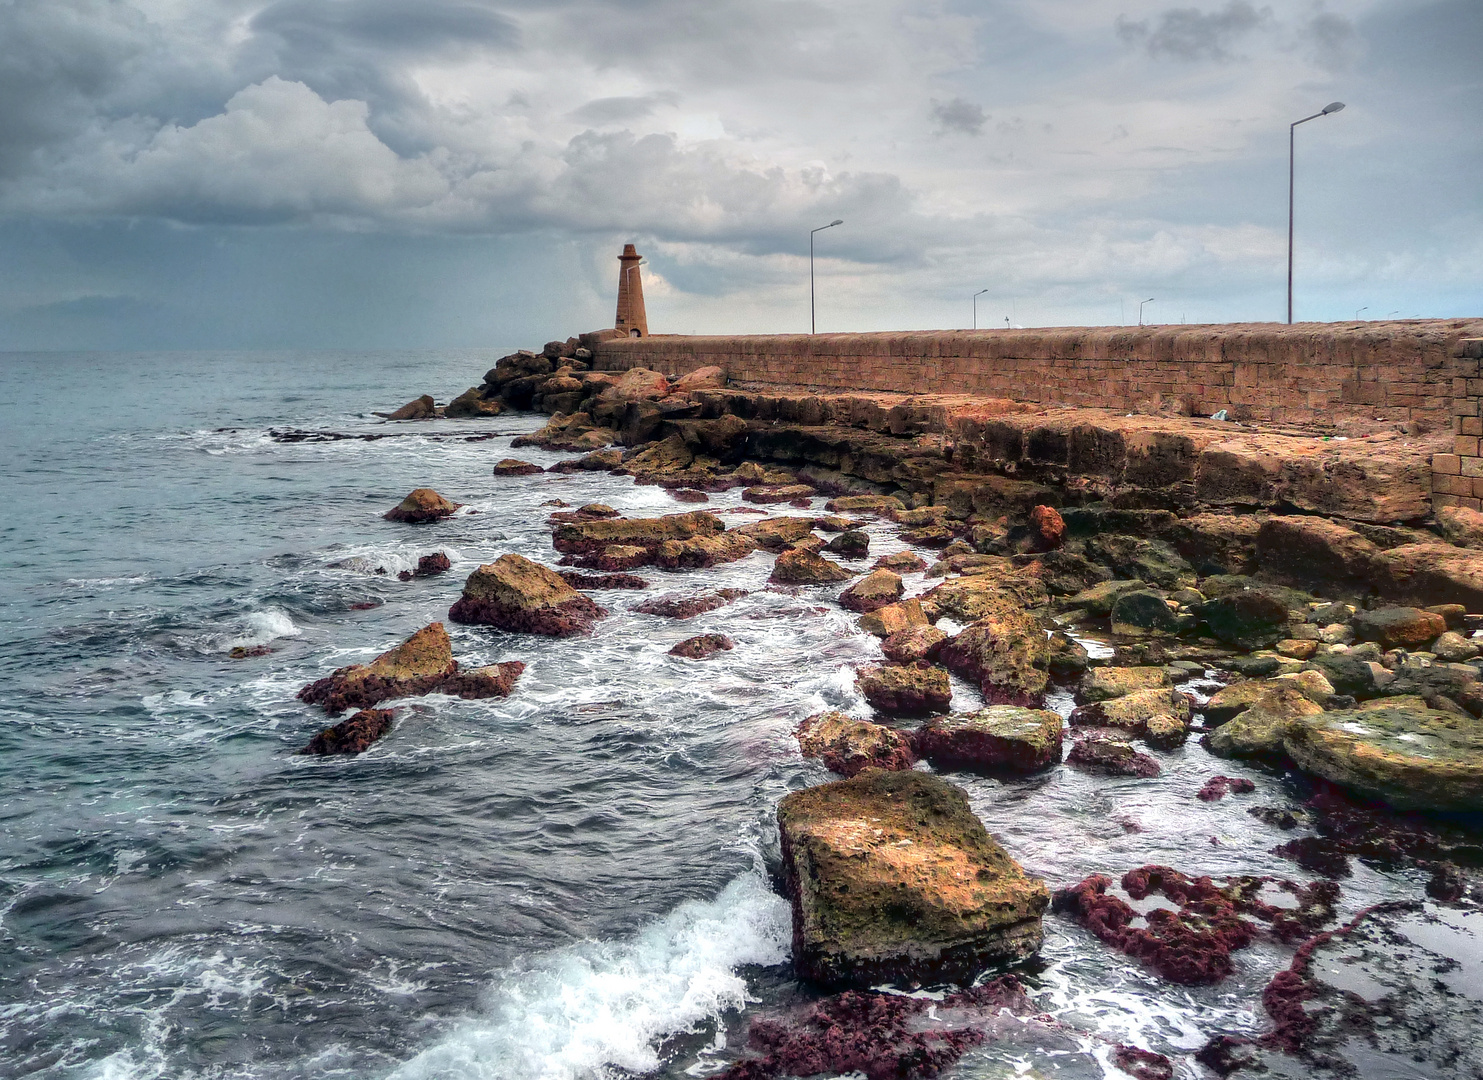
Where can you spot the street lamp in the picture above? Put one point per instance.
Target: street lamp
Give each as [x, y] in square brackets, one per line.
[1331, 107]
[975, 306]
[1140, 309]
[1356, 314]
[821, 228]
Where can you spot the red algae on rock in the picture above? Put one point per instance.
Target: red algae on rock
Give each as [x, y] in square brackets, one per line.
[672, 606]
[602, 581]
[1217, 787]
[495, 680]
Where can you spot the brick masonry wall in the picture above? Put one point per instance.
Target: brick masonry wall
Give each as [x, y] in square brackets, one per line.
[1457, 478]
[1315, 373]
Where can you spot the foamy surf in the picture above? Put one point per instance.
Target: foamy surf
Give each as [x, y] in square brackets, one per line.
[600, 1005]
[262, 627]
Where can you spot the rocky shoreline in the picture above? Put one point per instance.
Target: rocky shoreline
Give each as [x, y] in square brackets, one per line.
[1306, 576]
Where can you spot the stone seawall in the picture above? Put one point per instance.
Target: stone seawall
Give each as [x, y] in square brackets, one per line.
[1311, 374]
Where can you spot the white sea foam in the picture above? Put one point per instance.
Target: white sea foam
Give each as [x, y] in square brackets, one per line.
[261, 627]
[580, 1011]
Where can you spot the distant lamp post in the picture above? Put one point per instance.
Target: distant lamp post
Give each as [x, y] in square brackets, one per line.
[812, 326]
[1331, 107]
[975, 306]
[1140, 309]
[1356, 314]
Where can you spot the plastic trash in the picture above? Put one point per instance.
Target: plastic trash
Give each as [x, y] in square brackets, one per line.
[1219, 415]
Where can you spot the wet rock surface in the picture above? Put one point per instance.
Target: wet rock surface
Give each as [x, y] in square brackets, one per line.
[352, 736]
[893, 879]
[422, 506]
[416, 666]
[1000, 738]
[899, 690]
[802, 567]
[513, 593]
[849, 746]
[702, 645]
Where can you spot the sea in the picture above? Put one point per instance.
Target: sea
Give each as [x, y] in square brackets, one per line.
[578, 881]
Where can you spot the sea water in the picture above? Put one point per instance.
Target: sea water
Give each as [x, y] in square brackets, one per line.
[576, 881]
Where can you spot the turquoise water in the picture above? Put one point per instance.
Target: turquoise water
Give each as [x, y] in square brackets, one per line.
[572, 882]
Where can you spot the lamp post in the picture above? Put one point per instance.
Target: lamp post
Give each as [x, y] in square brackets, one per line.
[1356, 314]
[975, 306]
[1140, 309]
[1331, 107]
[821, 228]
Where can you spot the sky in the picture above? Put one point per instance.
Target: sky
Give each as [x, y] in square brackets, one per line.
[367, 174]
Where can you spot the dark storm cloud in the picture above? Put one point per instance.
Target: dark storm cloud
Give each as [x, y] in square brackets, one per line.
[959, 115]
[1192, 34]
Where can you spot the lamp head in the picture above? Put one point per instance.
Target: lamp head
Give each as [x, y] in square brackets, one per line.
[840, 221]
[1333, 106]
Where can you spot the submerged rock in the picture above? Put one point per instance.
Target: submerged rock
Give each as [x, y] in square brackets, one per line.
[1111, 758]
[998, 738]
[673, 606]
[1218, 787]
[893, 880]
[702, 645]
[849, 746]
[416, 666]
[352, 736]
[514, 593]
[874, 590]
[801, 567]
[493, 680]
[422, 506]
[905, 691]
[432, 565]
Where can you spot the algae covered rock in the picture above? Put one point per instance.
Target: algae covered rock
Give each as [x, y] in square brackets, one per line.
[1104, 683]
[1111, 757]
[913, 645]
[422, 506]
[874, 590]
[699, 552]
[905, 691]
[1006, 654]
[493, 680]
[702, 645]
[998, 738]
[850, 746]
[799, 566]
[894, 618]
[777, 533]
[514, 593]
[1249, 619]
[515, 467]
[416, 666]
[893, 880]
[1132, 713]
[1142, 612]
[1260, 730]
[352, 736]
[472, 403]
[587, 537]
[1412, 758]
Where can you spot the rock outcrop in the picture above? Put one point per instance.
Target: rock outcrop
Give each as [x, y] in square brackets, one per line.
[422, 408]
[513, 593]
[493, 680]
[417, 666]
[893, 880]
[1006, 654]
[515, 467]
[422, 506]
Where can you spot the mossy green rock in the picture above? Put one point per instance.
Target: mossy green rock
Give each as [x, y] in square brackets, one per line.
[1105, 683]
[1260, 731]
[1414, 759]
[1132, 712]
[892, 879]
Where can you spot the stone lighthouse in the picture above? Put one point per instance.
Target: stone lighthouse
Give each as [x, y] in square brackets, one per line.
[631, 318]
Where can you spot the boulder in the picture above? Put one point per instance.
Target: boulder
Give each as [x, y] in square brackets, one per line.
[421, 409]
[1141, 559]
[801, 567]
[494, 680]
[702, 378]
[903, 562]
[422, 506]
[1428, 574]
[1259, 731]
[471, 403]
[1143, 612]
[702, 645]
[1006, 654]
[864, 504]
[874, 590]
[416, 666]
[893, 880]
[587, 537]
[914, 645]
[1068, 659]
[638, 384]
[1249, 619]
[1047, 529]
[1108, 757]
[1398, 627]
[835, 523]
[351, 736]
[781, 493]
[432, 565]
[851, 544]
[1097, 601]
[513, 593]
[1454, 648]
[674, 606]
[670, 455]
[1166, 731]
[1231, 701]
[699, 552]
[893, 618]
[1413, 759]
[1103, 683]
[998, 738]
[515, 467]
[992, 589]
[602, 581]
[777, 533]
[905, 691]
[1460, 525]
[1131, 713]
[849, 746]
[597, 461]
[1314, 549]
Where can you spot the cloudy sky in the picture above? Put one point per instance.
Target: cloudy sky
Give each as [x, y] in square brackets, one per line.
[462, 173]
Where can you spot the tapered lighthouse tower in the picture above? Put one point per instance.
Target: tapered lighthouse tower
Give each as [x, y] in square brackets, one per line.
[631, 319]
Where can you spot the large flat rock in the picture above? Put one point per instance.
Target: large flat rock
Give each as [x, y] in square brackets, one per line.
[893, 879]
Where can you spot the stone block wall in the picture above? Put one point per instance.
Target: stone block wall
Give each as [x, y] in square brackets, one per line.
[1310, 374]
[1457, 478]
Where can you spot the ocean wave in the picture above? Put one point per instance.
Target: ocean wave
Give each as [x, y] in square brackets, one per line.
[261, 627]
[590, 1008]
